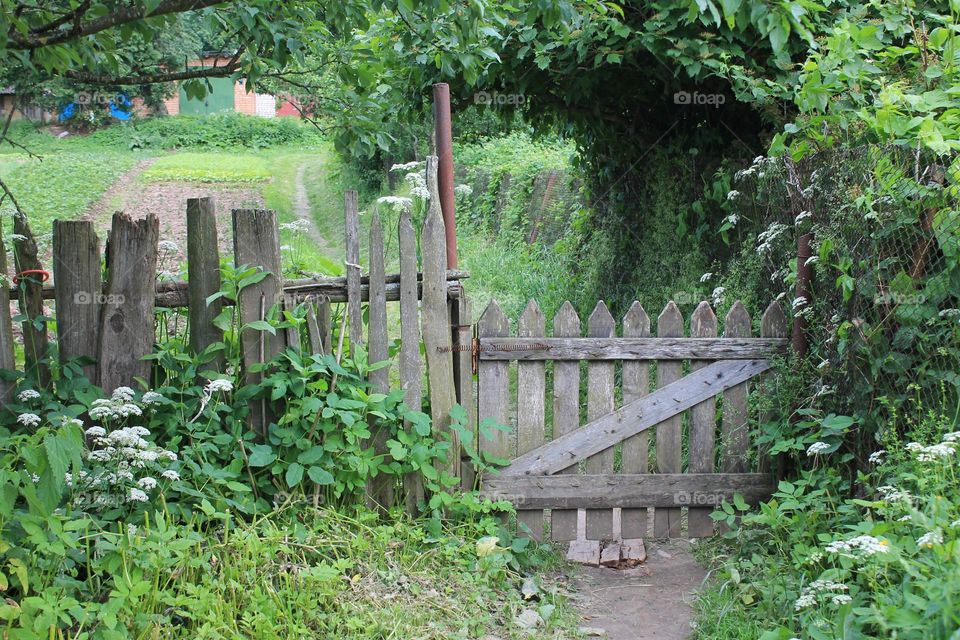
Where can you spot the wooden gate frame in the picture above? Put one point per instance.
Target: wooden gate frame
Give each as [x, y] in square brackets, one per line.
[545, 476]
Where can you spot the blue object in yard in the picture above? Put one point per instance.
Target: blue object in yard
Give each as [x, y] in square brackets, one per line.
[120, 107]
[67, 112]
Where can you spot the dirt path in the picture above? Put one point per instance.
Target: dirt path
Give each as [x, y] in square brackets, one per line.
[301, 208]
[651, 601]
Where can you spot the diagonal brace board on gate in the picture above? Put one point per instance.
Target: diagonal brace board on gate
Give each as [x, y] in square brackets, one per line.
[637, 416]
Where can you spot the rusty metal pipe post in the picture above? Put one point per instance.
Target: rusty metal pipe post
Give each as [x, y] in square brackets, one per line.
[444, 141]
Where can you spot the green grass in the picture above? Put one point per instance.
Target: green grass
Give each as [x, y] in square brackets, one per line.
[209, 167]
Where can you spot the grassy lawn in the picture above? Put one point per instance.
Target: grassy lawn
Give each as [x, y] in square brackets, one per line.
[209, 167]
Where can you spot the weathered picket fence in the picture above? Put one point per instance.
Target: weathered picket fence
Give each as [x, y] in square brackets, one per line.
[592, 469]
[111, 322]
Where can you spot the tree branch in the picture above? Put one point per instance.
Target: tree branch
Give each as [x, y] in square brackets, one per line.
[117, 18]
[155, 78]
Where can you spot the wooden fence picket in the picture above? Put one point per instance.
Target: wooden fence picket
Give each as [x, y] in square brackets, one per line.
[127, 318]
[703, 426]
[411, 364]
[600, 402]
[494, 380]
[666, 521]
[436, 322]
[256, 241]
[203, 277]
[76, 272]
[30, 297]
[566, 410]
[734, 435]
[313, 330]
[773, 324]
[351, 215]
[635, 452]
[379, 489]
[531, 392]
[7, 359]
[463, 374]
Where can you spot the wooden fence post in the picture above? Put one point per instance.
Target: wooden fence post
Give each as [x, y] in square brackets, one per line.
[773, 324]
[600, 402]
[703, 426]
[411, 364]
[351, 213]
[566, 410]
[436, 322]
[256, 241]
[78, 290]
[379, 489]
[635, 453]
[666, 522]
[203, 277]
[531, 393]
[31, 303]
[735, 434]
[127, 322]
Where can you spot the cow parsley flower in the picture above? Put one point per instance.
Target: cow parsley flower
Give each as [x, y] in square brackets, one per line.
[808, 597]
[136, 495]
[953, 436]
[861, 545]
[147, 483]
[219, 385]
[29, 419]
[151, 397]
[96, 432]
[27, 395]
[877, 457]
[817, 448]
[934, 452]
[171, 475]
[122, 394]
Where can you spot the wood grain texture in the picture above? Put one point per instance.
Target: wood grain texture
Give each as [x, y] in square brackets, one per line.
[566, 411]
[126, 319]
[256, 241]
[773, 324]
[351, 217]
[636, 384]
[666, 522]
[494, 387]
[313, 330]
[411, 364]
[735, 434]
[659, 348]
[703, 426]
[665, 490]
[325, 323]
[465, 382]
[76, 272]
[203, 277]
[30, 297]
[531, 394]
[380, 489]
[600, 402]
[436, 321]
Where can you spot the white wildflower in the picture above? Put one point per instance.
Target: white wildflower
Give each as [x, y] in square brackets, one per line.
[409, 166]
[122, 394]
[953, 436]
[28, 394]
[219, 385]
[841, 599]
[96, 432]
[169, 246]
[906, 518]
[147, 483]
[717, 295]
[799, 301]
[803, 215]
[930, 539]
[151, 397]
[817, 448]
[170, 474]
[860, 545]
[463, 190]
[136, 495]
[733, 195]
[877, 457]
[396, 202]
[29, 419]
[936, 452]
[706, 276]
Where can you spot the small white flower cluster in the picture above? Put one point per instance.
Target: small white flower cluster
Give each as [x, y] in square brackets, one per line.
[892, 494]
[29, 420]
[463, 190]
[834, 591]
[933, 452]
[717, 295]
[759, 168]
[766, 239]
[27, 395]
[409, 166]
[930, 539]
[733, 195]
[859, 546]
[220, 384]
[418, 185]
[297, 226]
[953, 436]
[706, 276]
[817, 448]
[151, 397]
[396, 202]
[877, 456]
[168, 246]
[803, 215]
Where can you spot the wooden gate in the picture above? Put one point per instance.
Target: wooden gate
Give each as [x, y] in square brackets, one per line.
[585, 454]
